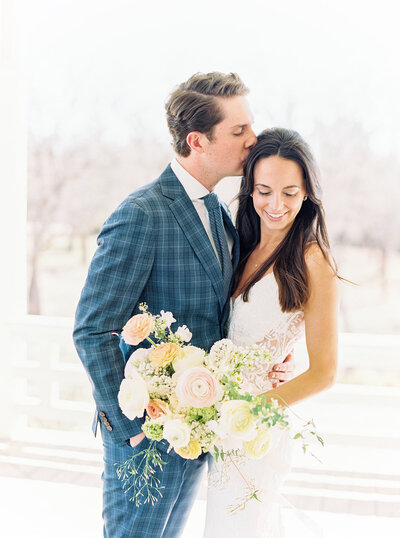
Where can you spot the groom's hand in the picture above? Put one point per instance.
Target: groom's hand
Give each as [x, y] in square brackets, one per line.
[283, 371]
[135, 440]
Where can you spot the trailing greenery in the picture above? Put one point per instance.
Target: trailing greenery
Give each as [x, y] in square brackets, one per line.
[138, 475]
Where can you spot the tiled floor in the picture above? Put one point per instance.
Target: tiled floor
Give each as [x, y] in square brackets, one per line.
[39, 509]
[49, 490]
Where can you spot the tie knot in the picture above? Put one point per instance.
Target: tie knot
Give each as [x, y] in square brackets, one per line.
[211, 201]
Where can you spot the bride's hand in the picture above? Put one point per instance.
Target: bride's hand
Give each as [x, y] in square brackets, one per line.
[283, 371]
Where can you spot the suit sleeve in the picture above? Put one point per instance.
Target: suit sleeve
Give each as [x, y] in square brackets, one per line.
[117, 276]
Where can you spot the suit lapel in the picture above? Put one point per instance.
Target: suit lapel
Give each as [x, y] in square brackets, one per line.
[189, 221]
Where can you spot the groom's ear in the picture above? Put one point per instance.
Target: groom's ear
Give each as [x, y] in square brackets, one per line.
[195, 141]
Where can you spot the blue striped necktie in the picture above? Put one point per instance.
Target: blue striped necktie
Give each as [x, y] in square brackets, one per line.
[218, 232]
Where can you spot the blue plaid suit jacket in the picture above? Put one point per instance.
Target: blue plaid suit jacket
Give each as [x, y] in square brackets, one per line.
[153, 249]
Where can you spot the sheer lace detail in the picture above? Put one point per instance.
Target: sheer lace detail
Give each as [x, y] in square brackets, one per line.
[261, 320]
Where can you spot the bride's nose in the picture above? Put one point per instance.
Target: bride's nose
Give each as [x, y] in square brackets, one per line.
[275, 202]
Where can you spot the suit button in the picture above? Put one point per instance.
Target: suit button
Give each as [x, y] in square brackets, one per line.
[109, 428]
[102, 414]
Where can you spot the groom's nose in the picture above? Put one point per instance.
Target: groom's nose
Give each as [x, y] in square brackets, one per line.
[252, 139]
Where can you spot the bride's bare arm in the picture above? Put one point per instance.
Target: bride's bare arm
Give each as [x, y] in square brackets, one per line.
[320, 316]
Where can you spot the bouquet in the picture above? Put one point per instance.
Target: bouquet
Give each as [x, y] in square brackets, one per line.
[195, 400]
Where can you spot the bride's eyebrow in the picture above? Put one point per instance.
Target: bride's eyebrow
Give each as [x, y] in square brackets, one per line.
[268, 187]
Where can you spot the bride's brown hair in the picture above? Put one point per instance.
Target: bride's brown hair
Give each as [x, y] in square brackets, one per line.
[288, 259]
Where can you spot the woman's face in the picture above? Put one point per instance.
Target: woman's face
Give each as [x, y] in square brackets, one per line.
[279, 191]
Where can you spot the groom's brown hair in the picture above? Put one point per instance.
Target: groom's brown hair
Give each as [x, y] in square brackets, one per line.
[193, 106]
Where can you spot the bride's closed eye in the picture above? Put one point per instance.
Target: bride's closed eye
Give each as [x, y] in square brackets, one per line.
[288, 194]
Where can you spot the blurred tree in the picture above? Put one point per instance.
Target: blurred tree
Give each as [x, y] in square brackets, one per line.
[361, 189]
[71, 190]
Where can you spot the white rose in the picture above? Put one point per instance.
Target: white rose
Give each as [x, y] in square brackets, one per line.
[133, 396]
[137, 356]
[177, 433]
[221, 440]
[184, 334]
[167, 318]
[237, 421]
[190, 356]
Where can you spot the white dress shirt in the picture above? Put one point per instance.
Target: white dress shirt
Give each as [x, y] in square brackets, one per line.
[195, 190]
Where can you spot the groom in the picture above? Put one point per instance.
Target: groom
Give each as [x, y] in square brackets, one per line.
[172, 245]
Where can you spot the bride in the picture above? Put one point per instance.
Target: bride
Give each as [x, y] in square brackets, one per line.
[285, 285]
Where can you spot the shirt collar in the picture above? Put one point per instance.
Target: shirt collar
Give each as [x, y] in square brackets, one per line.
[194, 189]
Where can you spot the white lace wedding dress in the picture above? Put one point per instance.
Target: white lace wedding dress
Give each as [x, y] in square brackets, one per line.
[260, 320]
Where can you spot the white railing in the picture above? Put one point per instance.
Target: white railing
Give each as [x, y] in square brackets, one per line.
[47, 390]
[47, 409]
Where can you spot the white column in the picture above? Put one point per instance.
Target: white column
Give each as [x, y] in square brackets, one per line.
[13, 196]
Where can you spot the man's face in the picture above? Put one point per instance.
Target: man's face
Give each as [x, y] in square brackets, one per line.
[232, 138]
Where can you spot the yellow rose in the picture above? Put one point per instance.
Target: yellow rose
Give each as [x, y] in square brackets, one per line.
[163, 354]
[259, 446]
[191, 452]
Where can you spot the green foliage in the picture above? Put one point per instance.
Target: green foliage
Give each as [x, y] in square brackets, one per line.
[152, 431]
[138, 475]
[242, 502]
[201, 415]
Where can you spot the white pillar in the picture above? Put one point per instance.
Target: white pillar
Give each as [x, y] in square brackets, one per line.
[13, 196]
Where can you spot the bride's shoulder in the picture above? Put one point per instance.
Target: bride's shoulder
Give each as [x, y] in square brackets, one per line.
[318, 262]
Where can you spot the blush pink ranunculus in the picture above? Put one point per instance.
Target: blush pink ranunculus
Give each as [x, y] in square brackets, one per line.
[157, 410]
[197, 387]
[137, 329]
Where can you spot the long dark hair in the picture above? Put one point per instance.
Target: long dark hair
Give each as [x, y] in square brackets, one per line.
[288, 259]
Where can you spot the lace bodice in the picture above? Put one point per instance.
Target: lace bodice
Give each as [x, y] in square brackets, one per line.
[261, 321]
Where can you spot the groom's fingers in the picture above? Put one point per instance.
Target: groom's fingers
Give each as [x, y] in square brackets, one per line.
[288, 362]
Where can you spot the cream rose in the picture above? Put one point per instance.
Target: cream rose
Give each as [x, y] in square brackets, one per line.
[133, 396]
[177, 433]
[257, 447]
[137, 329]
[237, 421]
[197, 387]
[189, 357]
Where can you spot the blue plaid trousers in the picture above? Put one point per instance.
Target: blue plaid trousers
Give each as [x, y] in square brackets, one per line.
[179, 478]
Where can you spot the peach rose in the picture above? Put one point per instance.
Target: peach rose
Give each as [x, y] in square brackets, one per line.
[197, 387]
[137, 329]
[191, 452]
[157, 410]
[163, 355]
